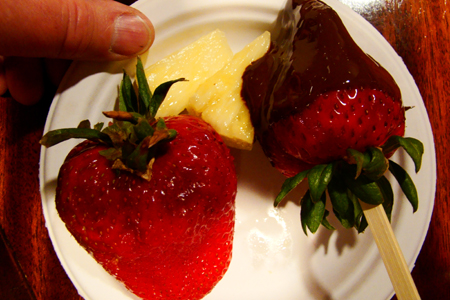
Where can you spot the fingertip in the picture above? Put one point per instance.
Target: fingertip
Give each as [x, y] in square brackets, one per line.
[133, 35]
[105, 32]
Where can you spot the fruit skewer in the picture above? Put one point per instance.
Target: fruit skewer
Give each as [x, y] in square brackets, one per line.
[390, 252]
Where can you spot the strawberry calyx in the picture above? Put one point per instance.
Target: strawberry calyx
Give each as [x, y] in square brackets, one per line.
[134, 133]
[356, 177]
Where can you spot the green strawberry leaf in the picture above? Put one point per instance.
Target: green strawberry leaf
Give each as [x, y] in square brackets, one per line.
[358, 214]
[143, 129]
[318, 178]
[357, 158]
[144, 90]
[346, 223]
[138, 159]
[388, 195]
[122, 104]
[162, 135]
[159, 95]
[377, 165]
[415, 150]
[311, 214]
[360, 219]
[116, 134]
[342, 205]
[127, 95]
[127, 148]
[288, 185]
[57, 136]
[161, 126]
[129, 132]
[412, 146]
[365, 189]
[111, 153]
[372, 163]
[99, 126]
[325, 222]
[362, 224]
[406, 184]
[84, 124]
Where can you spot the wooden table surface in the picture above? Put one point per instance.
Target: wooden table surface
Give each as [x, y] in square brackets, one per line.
[419, 30]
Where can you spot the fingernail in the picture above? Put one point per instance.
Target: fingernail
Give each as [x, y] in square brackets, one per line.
[131, 36]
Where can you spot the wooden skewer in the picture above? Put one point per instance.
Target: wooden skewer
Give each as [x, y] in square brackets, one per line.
[390, 252]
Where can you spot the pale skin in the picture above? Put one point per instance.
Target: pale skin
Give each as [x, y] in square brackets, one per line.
[39, 38]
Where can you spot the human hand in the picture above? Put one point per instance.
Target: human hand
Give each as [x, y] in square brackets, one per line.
[41, 37]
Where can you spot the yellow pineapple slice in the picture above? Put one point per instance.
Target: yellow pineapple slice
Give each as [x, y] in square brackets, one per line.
[218, 100]
[196, 62]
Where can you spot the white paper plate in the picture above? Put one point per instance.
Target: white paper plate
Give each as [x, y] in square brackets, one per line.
[272, 258]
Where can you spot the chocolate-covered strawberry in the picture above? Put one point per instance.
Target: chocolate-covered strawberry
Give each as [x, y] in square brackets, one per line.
[325, 110]
[151, 200]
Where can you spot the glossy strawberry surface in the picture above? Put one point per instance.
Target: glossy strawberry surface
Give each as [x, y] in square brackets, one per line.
[167, 238]
[350, 118]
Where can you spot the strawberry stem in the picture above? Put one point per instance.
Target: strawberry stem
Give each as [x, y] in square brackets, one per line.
[134, 134]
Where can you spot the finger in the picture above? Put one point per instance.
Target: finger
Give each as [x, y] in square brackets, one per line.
[24, 78]
[73, 29]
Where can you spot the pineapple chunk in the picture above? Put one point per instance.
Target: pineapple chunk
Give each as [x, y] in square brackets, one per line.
[196, 62]
[218, 100]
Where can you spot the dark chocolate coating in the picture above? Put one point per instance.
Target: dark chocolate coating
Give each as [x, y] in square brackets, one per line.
[312, 53]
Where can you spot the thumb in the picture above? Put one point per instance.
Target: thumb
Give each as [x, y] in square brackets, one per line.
[73, 29]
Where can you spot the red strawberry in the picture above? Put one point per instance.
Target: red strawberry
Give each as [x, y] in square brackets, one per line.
[323, 131]
[164, 230]
[319, 103]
